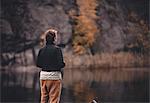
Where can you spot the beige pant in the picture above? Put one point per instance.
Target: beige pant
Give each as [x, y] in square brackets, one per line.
[50, 91]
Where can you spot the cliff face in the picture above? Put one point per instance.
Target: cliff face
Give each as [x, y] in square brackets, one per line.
[122, 24]
[51, 14]
[32, 18]
[141, 7]
[118, 26]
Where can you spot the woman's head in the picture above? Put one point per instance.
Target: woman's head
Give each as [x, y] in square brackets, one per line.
[49, 36]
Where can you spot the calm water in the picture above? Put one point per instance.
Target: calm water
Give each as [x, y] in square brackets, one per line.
[80, 85]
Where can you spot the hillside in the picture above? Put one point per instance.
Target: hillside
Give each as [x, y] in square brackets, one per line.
[94, 27]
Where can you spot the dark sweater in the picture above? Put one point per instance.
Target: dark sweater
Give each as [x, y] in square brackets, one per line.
[50, 58]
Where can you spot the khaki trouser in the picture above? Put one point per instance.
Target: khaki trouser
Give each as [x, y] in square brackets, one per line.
[50, 91]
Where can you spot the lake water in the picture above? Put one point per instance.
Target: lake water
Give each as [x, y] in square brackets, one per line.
[80, 85]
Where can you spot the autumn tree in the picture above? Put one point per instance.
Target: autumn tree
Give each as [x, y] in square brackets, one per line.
[85, 28]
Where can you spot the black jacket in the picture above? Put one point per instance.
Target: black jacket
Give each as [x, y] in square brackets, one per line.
[50, 58]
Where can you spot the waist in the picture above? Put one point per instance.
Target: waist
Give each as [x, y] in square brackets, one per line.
[50, 70]
[53, 75]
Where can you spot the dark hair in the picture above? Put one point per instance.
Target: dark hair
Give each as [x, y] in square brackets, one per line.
[50, 37]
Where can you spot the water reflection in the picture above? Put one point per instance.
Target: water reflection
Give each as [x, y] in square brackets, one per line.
[106, 85]
[21, 84]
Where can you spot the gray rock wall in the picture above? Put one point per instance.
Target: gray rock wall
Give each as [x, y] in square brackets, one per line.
[31, 18]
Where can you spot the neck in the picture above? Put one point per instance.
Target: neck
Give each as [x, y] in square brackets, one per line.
[49, 43]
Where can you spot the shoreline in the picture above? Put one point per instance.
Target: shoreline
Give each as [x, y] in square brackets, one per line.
[107, 60]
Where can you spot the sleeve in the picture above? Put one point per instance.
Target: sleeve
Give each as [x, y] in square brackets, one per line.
[60, 60]
[38, 61]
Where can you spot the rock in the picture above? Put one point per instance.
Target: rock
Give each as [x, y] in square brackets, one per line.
[5, 27]
[105, 24]
[52, 16]
[31, 18]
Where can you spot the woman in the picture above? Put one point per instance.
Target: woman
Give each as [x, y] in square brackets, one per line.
[50, 60]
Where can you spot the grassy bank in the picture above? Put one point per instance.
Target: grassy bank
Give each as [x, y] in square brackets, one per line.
[107, 60]
[102, 60]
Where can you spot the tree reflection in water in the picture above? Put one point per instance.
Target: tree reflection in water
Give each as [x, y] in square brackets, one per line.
[21, 84]
[106, 85]
[83, 92]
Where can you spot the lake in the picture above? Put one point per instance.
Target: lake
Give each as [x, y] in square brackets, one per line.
[79, 85]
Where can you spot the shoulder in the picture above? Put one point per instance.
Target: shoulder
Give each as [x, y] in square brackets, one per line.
[41, 49]
[58, 49]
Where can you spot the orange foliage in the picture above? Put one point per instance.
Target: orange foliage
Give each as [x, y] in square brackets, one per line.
[85, 30]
